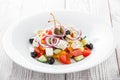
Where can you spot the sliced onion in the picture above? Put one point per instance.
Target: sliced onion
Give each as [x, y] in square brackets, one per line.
[76, 38]
[47, 41]
[43, 45]
[55, 43]
[51, 43]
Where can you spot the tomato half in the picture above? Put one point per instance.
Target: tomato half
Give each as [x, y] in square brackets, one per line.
[38, 51]
[76, 52]
[49, 31]
[86, 52]
[65, 59]
[43, 40]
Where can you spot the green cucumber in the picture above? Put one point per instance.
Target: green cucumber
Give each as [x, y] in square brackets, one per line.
[42, 59]
[79, 58]
[84, 42]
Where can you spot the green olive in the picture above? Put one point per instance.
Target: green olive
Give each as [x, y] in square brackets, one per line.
[57, 31]
[61, 30]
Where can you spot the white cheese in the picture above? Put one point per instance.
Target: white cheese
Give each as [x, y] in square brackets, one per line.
[76, 44]
[62, 44]
[49, 51]
[35, 43]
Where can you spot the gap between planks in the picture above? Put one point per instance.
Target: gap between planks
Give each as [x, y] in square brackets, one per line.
[116, 53]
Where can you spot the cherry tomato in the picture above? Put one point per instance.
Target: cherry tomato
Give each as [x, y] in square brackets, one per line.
[86, 52]
[76, 52]
[49, 31]
[65, 59]
[38, 51]
[43, 40]
[41, 48]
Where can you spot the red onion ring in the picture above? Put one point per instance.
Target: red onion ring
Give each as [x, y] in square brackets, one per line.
[57, 41]
[51, 44]
[47, 41]
[39, 42]
[79, 35]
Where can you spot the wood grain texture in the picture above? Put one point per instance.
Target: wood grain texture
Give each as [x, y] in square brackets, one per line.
[109, 69]
[8, 14]
[115, 20]
[11, 10]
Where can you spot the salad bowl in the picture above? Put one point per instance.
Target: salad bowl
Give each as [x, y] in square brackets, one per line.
[16, 44]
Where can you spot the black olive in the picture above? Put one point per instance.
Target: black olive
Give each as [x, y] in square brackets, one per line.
[31, 40]
[90, 46]
[64, 37]
[33, 54]
[51, 60]
[67, 32]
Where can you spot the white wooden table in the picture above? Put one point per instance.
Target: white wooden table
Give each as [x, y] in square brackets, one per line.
[12, 10]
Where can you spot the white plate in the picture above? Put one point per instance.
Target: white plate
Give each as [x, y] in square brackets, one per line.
[16, 43]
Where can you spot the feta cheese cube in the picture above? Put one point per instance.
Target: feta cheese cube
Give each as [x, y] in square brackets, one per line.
[35, 43]
[62, 44]
[49, 51]
[76, 44]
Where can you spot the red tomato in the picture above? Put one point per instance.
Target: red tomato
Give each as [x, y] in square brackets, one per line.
[38, 51]
[76, 52]
[86, 52]
[49, 31]
[64, 58]
[43, 34]
[43, 40]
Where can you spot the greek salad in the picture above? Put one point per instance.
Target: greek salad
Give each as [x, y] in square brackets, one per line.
[59, 43]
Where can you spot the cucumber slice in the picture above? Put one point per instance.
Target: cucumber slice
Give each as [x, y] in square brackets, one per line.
[42, 59]
[79, 58]
[84, 42]
[56, 51]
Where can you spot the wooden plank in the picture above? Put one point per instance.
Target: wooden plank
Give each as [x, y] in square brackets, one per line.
[115, 16]
[6, 18]
[102, 71]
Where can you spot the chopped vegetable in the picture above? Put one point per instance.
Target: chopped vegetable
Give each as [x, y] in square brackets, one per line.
[42, 59]
[38, 51]
[65, 59]
[82, 48]
[86, 52]
[76, 52]
[79, 58]
[49, 32]
[84, 42]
